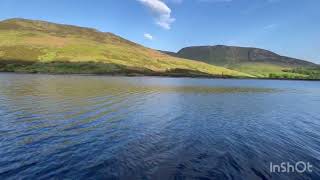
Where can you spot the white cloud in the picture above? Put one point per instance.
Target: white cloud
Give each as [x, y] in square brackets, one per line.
[161, 10]
[148, 36]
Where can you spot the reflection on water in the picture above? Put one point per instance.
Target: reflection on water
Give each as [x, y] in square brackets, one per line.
[145, 128]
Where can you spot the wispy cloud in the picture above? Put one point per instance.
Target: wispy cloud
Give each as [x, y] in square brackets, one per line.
[148, 36]
[270, 27]
[161, 11]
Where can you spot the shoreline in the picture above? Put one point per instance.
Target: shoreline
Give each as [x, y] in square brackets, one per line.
[157, 75]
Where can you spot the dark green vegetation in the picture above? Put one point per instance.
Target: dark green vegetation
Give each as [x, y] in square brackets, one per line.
[312, 73]
[61, 67]
[42, 47]
[257, 62]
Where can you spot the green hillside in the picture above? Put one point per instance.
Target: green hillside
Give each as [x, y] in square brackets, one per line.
[258, 62]
[44, 47]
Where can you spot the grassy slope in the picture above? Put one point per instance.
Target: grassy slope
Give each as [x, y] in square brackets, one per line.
[30, 41]
[266, 70]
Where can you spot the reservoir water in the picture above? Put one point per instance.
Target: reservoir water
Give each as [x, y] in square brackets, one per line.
[100, 127]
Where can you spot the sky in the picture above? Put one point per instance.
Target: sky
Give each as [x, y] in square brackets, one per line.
[287, 27]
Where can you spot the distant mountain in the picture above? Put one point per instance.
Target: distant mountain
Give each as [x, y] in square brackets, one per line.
[44, 47]
[255, 61]
[169, 53]
[224, 55]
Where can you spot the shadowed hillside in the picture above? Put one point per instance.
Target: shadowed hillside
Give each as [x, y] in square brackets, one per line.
[38, 46]
[258, 62]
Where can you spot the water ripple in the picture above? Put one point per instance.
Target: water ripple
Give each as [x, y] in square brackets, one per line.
[89, 127]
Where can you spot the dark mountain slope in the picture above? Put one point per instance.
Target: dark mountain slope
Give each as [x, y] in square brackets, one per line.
[255, 61]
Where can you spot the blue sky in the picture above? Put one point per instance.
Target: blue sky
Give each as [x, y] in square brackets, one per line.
[287, 27]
